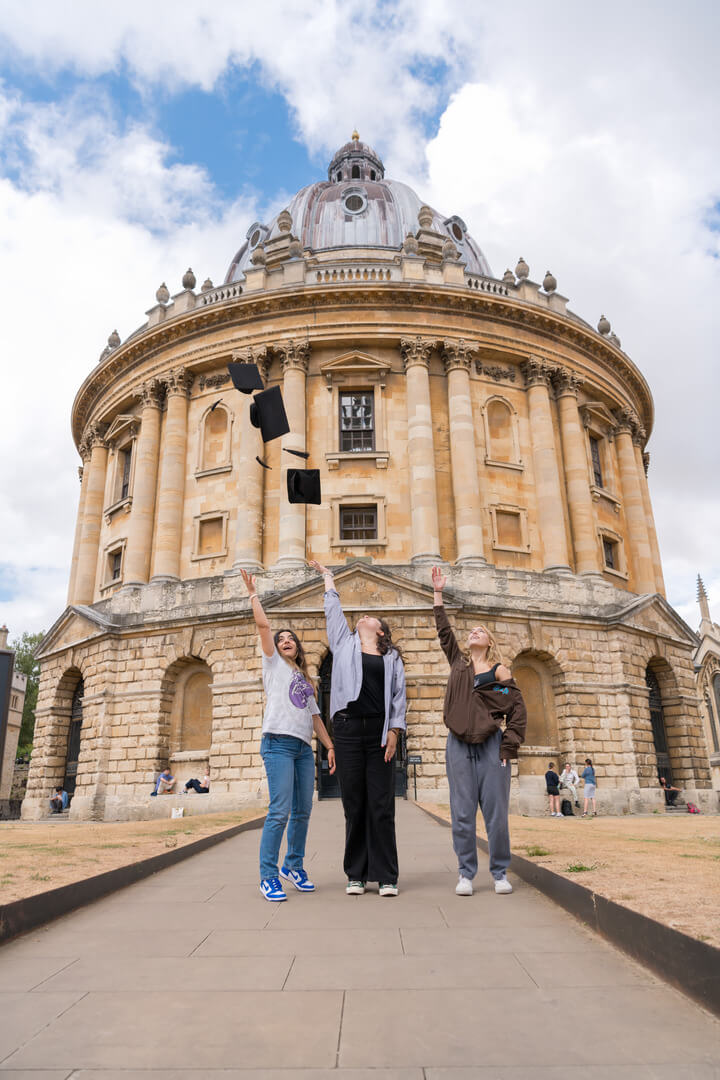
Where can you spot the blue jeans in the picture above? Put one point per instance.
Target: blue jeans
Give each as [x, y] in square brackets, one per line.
[290, 768]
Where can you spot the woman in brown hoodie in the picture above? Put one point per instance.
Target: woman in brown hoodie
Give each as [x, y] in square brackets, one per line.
[480, 694]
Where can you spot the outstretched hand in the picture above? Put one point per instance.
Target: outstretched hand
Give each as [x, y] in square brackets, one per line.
[319, 567]
[439, 580]
[249, 581]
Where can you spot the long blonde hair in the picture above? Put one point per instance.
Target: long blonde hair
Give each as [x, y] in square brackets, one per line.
[493, 654]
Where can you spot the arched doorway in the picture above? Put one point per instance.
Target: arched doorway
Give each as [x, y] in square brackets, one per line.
[657, 722]
[72, 755]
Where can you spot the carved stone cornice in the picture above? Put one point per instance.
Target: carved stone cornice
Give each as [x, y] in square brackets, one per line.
[416, 351]
[457, 355]
[536, 372]
[151, 393]
[179, 381]
[260, 355]
[294, 355]
[566, 382]
[646, 462]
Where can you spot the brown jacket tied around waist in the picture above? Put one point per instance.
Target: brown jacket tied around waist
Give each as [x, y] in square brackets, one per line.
[474, 715]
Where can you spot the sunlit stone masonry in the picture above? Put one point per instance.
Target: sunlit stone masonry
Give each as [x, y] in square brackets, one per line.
[457, 417]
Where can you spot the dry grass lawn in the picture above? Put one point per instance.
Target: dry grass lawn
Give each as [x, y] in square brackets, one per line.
[37, 857]
[665, 867]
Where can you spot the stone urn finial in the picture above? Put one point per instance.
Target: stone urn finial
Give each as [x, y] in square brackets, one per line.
[522, 270]
[410, 245]
[549, 282]
[284, 221]
[189, 280]
[449, 251]
[425, 217]
[508, 277]
[604, 326]
[207, 285]
[258, 257]
[615, 339]
[114, 340]
[295, 248]
[163, 294]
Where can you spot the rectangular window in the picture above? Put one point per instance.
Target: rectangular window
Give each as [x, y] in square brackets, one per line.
[358, 523]
[125, 461]
[357, 422]
[595, 456]
[610, 553]
[115, 565]
[13, 701]
[210, 537]
[509, 529]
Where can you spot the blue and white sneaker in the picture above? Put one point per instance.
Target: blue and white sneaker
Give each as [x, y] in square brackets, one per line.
[272, 889]
[298, 878]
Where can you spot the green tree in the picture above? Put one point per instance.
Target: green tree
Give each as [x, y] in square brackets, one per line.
[25, 662]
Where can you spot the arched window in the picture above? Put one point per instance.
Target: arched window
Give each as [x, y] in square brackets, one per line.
[355, 174]
[713, 721]
[215, 440]
[501, 435]
[657, 721]
[73, 744]
[196, 717]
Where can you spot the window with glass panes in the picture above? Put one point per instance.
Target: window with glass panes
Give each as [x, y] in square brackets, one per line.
[358, 523]
[115, 565]
[125, 461]
[610, 553]
[357, 421]
[595, 457]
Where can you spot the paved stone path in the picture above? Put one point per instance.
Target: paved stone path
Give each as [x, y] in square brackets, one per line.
[193, 970]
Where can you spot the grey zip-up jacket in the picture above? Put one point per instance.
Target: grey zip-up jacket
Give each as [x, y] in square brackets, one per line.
[347, 669]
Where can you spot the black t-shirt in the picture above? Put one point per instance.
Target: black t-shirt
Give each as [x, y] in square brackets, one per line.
[551, 778]
[371, 700]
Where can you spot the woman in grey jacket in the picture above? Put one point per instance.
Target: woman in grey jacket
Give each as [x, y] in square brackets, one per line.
[367, 705]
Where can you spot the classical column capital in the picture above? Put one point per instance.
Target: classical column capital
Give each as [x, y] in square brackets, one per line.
[457, 355]
[416, 351]
[259, 355]
[150, 393]
[566, 382]
[639, 435]
[80, 473]
[294, 355]
[179, 381]
[536, 372]
[627, 422]
[94, 435]
[646, 462]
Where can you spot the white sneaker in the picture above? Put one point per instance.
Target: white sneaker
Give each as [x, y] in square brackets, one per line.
[388, 890]
[502, 885]
[464, 886]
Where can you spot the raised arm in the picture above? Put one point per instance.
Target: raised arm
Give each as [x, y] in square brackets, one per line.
[448, 642]
[261, 620]
[337, 627]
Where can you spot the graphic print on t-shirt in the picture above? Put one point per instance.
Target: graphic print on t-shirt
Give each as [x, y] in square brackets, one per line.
[300, 690]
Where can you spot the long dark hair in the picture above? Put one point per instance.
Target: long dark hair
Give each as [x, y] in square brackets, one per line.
[300, 655]
[385, 641]
[588, 762]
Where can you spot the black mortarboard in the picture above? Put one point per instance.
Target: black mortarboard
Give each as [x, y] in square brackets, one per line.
[267, 412]
[245, 377]
[303, 486]
[296, 453]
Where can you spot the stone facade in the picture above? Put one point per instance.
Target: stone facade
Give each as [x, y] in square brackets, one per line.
[505, 439]
[16, 703]
[707, 668]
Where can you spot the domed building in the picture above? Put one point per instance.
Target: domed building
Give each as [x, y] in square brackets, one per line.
[457, 418]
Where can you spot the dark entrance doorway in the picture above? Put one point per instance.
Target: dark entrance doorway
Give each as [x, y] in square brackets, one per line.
[657, 720]
[73, 744]
[328, 786]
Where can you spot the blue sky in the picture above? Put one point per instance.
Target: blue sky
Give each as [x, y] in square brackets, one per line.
[133, 146]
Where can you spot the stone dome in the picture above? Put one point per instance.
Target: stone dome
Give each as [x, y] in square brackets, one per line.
[356, 207]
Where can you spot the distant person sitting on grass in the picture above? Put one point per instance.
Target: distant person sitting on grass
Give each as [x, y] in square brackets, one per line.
[671, 793]
[165, 783]
[60, 800]
[195, 785]
[552, 782]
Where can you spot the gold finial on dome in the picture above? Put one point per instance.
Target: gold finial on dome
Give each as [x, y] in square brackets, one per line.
[355, 135]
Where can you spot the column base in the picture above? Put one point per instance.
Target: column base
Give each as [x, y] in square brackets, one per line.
[164, 579]
[250, 565]
[471, 560]
[289, 562]
[426, 558]
[561, 569]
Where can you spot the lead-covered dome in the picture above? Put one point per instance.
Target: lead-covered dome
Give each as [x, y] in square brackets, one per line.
[356, 208]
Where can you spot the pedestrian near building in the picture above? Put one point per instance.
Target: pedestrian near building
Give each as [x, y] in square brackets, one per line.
[590, 782]
[552, 786]
[569, 779]
[480, 695]
[195, 785]
[60, 800]
[164, 783]
[368, 705]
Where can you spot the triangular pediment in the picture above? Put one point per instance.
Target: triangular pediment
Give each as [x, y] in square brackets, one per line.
[654, 614]
[76, 624]
[352, 363]
[125, 425]
[362, 588]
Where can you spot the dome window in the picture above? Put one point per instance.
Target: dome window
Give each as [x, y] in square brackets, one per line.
[372, 174]
[255, 238]
[255, 234]
[456, 227]
[355, 174]
[355, 202]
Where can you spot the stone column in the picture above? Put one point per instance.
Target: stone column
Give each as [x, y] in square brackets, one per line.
[171, 485]
[457, 357]
[548, 488]
[643, 463]
[84, 474]
[142, 515]
[249, 527]
[425, 532]
[638, 540]
[295, 357]
[577, 476]
[84, 585]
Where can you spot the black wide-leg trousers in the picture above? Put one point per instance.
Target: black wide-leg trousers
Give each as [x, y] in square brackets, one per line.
[367, 786]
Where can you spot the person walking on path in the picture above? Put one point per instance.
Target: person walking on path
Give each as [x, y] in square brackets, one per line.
[368, 705]
[588, 776]
[569, 779]
[291, 714]
[552, 782]
[480, 694]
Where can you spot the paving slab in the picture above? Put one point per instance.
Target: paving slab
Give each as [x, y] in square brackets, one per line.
[194, 966]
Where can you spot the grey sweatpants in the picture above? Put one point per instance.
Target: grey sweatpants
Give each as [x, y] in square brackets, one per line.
[477, 778]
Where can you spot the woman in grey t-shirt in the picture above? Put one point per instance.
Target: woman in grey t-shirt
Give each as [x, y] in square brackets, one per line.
[290, 717]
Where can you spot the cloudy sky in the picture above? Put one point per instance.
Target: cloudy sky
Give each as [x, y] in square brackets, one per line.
[136, 141]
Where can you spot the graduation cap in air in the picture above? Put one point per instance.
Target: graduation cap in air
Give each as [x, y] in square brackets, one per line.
[303, 486]
[267, 412]
[245, 377]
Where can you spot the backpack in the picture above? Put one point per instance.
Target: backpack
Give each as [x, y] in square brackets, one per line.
[566, 808]
[692, 808]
